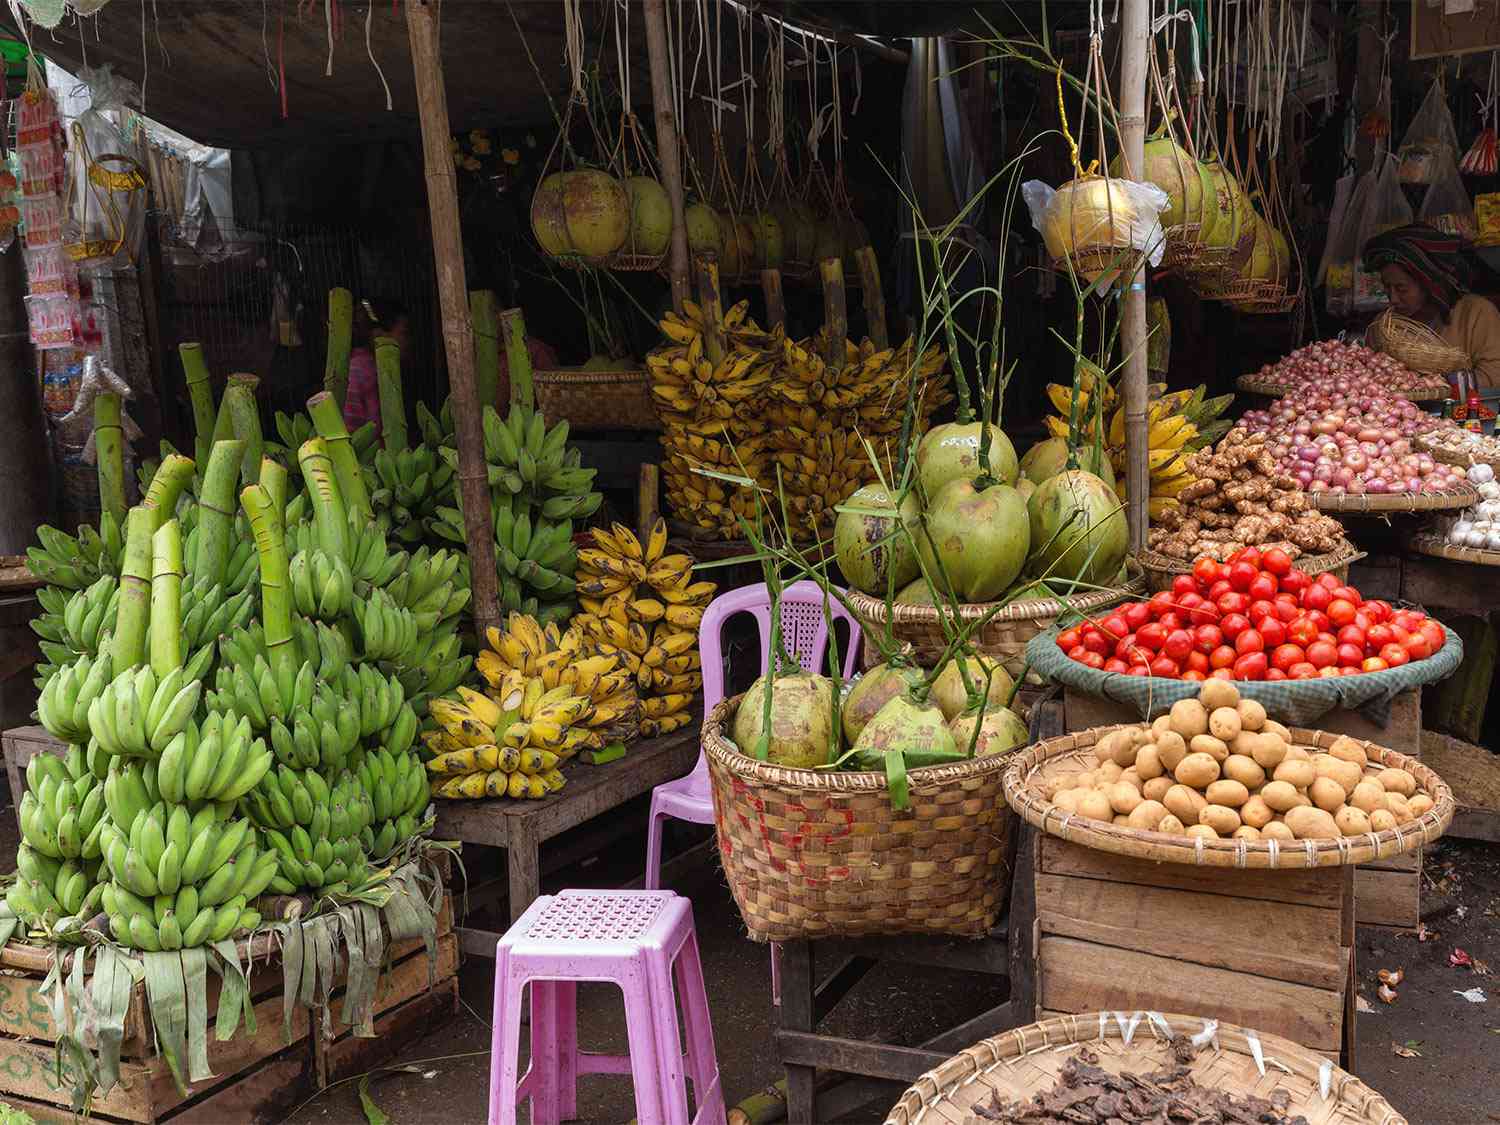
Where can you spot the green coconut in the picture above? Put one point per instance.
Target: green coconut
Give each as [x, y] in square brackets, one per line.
[869, 555]
[769, 238]
[650, 217]
[916, 592]
[804, 231]
[801, 733]
[853, 235]
[948, 690]
[876, 687]
[1025, 486]
[1169, 167]
[703, 230]
[903, 724]
[732, 261]
[980, 538]
[1000, 731]
[829, 242]
[1078, 530]
[548, 221]
[597, 208]
[1222, 197]
[1048, 457]
[606, 363]
[951, 452]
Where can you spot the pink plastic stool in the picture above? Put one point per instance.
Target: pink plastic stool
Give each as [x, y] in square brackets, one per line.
[637, 940]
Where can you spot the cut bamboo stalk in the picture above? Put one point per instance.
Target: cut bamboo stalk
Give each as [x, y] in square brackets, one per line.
[166, 598]
[668, 151]
[340, 344]
[275, 589]
[216, 513]
[109, 453]
[129, 647]
[869, 283]
[712, 305]
[835, 311]
[330, 517]
[201, 394]
[1135, 42]
[172, 477]
[485, 314]
[328, 421]
[518, 358]
[770, 285]
[244, 421]
[392, 402]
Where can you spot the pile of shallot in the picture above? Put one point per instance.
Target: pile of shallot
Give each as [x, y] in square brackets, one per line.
[1329, 361]
[1348, 435]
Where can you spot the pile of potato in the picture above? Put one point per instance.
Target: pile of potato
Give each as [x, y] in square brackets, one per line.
[1217, 767]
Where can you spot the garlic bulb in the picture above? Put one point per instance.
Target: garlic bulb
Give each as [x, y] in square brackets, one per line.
[1482, 473]
[1490, 489]
[1492, 541]
[1459, 532]
[1476, 538]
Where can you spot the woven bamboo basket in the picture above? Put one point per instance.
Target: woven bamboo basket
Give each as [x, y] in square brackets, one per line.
[821, 853]
[1253, 384]
[1183, 246]
[1219, 267]
[1414, 345]
[597, 400]
[1389, 503]
[1434, 545]
[1440, 452]
[1004, 636]
[1016, 1065]
[1028, 768]
[1160, 569]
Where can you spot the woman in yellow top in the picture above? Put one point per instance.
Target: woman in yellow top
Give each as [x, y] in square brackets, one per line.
[1426, 275]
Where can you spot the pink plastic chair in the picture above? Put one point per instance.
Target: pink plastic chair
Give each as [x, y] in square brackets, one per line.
[637, 940]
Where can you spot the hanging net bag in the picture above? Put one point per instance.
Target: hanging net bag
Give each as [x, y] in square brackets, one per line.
[798, 222]
[650, 229]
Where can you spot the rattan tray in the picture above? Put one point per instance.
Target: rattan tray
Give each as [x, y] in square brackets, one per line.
[1424, 444]
[1393, 503]
[1435, 546]
[1160, 569]
[1018, 1064]
[1254, 385]
[1051, 757]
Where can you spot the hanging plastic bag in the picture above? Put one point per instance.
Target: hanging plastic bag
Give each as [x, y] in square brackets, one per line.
[1429, 136]
[106, 197]
[1342, 191]
[1342, 254]
[1446, 204]
[1095, 222]
[1386, 209]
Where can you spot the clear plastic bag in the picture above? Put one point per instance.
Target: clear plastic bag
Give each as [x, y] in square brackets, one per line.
[1386, 209]
[1446, 204]
[1342, 254]
[106, 203]
[1098, 218]
[1428, 138]
[1342, 191]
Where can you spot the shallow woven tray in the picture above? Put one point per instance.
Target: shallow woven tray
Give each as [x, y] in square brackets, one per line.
[1414, 345]
[1053, 756]
[1389, 502]
[1254, 385]
[1160, 569]
[597, 400]
[1434, 545]
[1018, 1064]
[1451, 457]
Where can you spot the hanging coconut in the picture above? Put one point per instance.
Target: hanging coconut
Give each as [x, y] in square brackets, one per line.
[799, 230]
[1090, 223]
[1221, 200]
[769, 240]
[703, 230]
[650, 217]
[548, 223]
[1169, 167]
[853, 235]
[596, 208]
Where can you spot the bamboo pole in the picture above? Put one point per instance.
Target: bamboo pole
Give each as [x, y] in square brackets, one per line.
[667, 150]
[458, 336]
[1135, 27]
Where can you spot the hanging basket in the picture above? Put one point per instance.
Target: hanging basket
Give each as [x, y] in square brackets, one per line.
[613, 399]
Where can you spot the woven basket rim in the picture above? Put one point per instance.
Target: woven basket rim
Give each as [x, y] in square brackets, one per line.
[1154, 562]
[1447, 456]
[1269, 854]
[1461, 497]
[1059, 1032]
[1030, 610]
[718, 746]
[1415, 345]
[1427, 543]
[1255, 385]
[575, 375]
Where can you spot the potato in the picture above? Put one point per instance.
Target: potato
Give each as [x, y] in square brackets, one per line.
[1148, 762]
[1125, 751]
[1227, 792]
[1106, 748]
[1147, 815]
[1120, 820]
[1140, 735]
[1348, 750]
[1255, 812]
[1347, 774]
[1067, 800]
[1183, 802]
[1218, 693]
[1204, 830]
[1368, 796]
[1131, 778]
[1279, 796]
[1220, 818]
[1252, 715]
[1208, 744]
[1123, 797]
[1224, 723]
[1382, 820]
[1295, 753]
[1197, 770]
[1171, 748]
[1172, 825]
[1088, 779]
[1420, 804]
[1095, 805]
[1271, 726]
[1245, 771]
[1189, 717]
[1303, 800]
[1396, 803]
[1312, 824]
[1276, 830]
[1109, 772]
[1299, 774]
[1159, 726]
[1156, 788]
[1268, 750]
[1245, 832]
[1397, 781]
[1351, 821]
[1327, 794]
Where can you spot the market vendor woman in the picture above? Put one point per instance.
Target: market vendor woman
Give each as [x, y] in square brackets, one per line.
[1426, 274]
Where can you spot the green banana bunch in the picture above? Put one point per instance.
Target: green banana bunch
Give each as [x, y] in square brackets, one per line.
[218, 762]
[137, 716]
[74, 562]
[431, 586]
[387, 631]
[405, 486]
[261, 694]
[435, 667]
[379, 698]
[322, 587]
[157, 924]
[325, 647]
[62, 811]
[295, 429]
[48, 890]
[316, 830]
[212, 612]
[321, 735]
[73, 624]
[64, 703]
[397, 785]
[168, 848]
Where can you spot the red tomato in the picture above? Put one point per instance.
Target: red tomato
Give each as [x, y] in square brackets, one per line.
[1302, 631]
[1221, 674]
[1250, 666]
[1249, 555]
[1206, 638]
[1362, 619]
[1316, 597]
[1348, 670]
[1321, 654]
[1241, 574]
[1099, 643]
[1068, 639]
[1232, 603]
[1273, 674]
[1165, 667]
[1272, 631]
[1329, 673]
[1327, 638]
[1378, 636]
[1277, 561]
[1221, 657]
[1352, 635]
[1206, 570]
[1190, 600]
[1348, 594]
[1286, 612]
[1219, 589]
[1434, 634]
[1170, 621]
[1162, 602]
[1303, 671]
[1351, 655]
[1260, 609]
[1125, 644]
[1184, 584]
[1373, 664]
[1294, 581]
[1286, 656]
[1138, 670]
[1249, 641]
[1341, 612]
[1077, 652]
[1394, 655]
[1319, 619]
[1093, 660]
[1263, 586]
[1328, 582]
[1417, 647]
[1378, 610]
[1151, 635]
[1136, 614]
[1400, 633]
[1114, 626]
[1205, 613]
[1115, 664]
[1198, 662]
[1194, 675]
[1178, 644]
[1234, 625]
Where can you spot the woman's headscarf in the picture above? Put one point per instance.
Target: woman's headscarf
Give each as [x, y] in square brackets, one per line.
[1439, 262]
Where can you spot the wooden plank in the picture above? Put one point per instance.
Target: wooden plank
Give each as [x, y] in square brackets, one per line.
[523, 865]
[983, 955]
[264, 1094]
[1214, 930]
[395, 1029]
[1022, 919]
[1388, 898]
[1445, 584]
[1079, 976]
[1475, 824]
[851, 1056]
[26, 1014]
[796, 1015]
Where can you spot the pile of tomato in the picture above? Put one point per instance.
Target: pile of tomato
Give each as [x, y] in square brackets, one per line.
[1255, 616]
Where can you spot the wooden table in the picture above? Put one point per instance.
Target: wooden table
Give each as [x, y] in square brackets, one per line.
[522, 827]
[21, 745]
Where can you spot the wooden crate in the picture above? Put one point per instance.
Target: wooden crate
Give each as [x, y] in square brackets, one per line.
[1269, 949]
[1387, 892]
[21, 744]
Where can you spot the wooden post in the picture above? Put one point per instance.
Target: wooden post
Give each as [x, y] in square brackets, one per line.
[770, 284]
[1135, 33]
[667, 150]
[453, 299]
[647, 499]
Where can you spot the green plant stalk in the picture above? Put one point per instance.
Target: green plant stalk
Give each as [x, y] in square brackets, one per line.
[328, 420]
[392, 404]
[960, 379]
[517, 358]
[200, 389]
[166, 598]
[275, 591]
[485, 317]
[244, 420]
[167, 485]
[216, 519]
[273, 478]
[109, 453]
[340, 343]
[135, 590]
[329, 513]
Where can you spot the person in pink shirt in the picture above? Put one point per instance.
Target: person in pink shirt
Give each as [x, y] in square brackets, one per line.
[371, 319]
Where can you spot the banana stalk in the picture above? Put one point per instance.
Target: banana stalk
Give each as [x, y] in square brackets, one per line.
[835, 312]
[392, 405]
[340, 343]
[166, 598]
[712, 305]
[135, 590]
[273, 478]
[869, 281]
[486, 321]
[517, 358]
[328, 505]
[244, 419]
[172, 476]
[328, 420]
[109, 451]
[216, 519]
[201, 394]
[276, 600]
